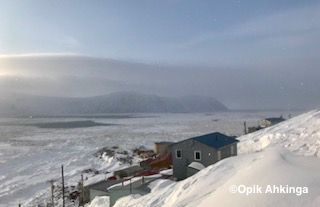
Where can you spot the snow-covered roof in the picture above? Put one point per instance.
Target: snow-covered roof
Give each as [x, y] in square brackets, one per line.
[135, 180]
[196, 165]
[275, 120]
[166, 172]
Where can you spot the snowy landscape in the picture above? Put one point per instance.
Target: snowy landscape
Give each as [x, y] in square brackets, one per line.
[286, 154]
[31, 155]
[166, 103]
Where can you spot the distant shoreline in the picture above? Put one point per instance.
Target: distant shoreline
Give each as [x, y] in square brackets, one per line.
[63, 124]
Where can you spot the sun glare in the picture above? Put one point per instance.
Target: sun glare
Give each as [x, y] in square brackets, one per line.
[4, 72]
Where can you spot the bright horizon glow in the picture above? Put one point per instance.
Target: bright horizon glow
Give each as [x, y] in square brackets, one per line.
[44, 54]
[244, 53]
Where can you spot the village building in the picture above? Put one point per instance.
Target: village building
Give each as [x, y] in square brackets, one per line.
[253, 129]
[267, 122]
[163, 161]
[191, 155]
[98, 189]
[133, 186]
[161, 148]
[126, 172]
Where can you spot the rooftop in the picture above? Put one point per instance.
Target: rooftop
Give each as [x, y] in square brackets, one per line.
[130, 170]
[104, 185]
[215, 140]
[135, 182]
[278, 119]
[164, 142]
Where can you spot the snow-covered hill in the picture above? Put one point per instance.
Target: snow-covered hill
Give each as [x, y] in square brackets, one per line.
[286, 155]
[120, 102]
[300, 135]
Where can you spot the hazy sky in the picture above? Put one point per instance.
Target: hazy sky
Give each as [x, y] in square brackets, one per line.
[248, 54]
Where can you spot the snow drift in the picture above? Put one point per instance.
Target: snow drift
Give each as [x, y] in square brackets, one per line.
[301, 135]
[283, 155]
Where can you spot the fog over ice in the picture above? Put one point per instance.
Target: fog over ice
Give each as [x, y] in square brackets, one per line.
[286, 84]
[248, 54]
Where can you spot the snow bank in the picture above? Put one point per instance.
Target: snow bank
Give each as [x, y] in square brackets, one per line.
[283, 155]
[99, 202]
[300, 135]
[211, 185]
[31, 156]
[159, 184]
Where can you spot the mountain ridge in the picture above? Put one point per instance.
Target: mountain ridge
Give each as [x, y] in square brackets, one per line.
[118, 102]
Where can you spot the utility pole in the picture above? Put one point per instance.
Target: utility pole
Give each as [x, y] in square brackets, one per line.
[82, 190]
[130, 186]
[52, 189]
[245, 127]
[63, 201]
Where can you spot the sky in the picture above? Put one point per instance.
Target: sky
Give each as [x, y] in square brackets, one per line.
[248, 54]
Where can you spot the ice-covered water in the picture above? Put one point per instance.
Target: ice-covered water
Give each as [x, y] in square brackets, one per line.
[30, 156]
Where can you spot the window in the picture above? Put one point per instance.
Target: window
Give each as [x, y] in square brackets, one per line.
[219, 155]
[197, 155]
[232, 150]
[178, 154]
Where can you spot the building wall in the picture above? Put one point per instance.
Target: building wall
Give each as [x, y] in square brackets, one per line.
[128, 171]
[188, 147]
[161, 148]
[253, 129]
[86, 198]
[119, 193]
[191, 171]
[94, 193]
[226, 151]
[264, 123]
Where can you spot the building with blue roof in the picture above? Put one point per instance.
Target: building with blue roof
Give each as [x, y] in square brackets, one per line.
[193, 154]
